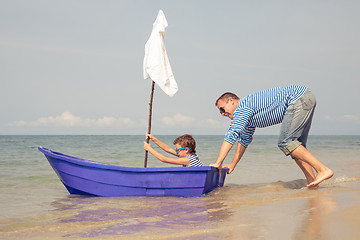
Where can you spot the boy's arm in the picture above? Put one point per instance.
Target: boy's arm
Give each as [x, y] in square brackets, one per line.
[178, 161]
[162, 145]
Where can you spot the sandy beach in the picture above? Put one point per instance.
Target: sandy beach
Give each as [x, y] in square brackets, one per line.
[259, 211]
[261, 199]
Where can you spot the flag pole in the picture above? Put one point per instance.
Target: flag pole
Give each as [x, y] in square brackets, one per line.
[149, 126]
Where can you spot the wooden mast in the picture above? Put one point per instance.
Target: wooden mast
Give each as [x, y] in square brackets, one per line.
[149, 125]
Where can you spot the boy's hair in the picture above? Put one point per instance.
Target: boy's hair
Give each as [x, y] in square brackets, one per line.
[186, 140]
[226, 96]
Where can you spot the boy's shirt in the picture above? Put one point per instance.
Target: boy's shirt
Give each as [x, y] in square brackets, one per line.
[194, 161]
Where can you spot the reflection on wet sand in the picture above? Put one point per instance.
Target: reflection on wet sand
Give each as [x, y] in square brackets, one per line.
[320, 205]
[279, 210]
[129, 216]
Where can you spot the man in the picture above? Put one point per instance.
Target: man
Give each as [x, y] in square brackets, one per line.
[293, 106]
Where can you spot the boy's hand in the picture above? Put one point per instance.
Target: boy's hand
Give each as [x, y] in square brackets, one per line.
[150, 137]
[147, 146]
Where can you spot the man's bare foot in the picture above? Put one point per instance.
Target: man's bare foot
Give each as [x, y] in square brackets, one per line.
[309, 179]
[321, 176]
[310, 188]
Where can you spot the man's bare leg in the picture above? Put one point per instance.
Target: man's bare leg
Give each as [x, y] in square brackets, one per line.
[307, 170]
[323, 172]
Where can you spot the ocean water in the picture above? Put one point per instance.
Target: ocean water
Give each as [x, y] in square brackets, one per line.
[261, 199]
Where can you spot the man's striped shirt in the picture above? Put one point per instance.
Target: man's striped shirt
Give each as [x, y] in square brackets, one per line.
[261, 109]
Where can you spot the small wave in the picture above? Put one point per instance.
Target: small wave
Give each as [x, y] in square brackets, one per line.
[295, 184]
[278, 185]
[299, 183]
[344, 179]
[283, 185]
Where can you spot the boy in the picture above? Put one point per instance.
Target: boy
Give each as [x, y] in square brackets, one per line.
[185, 151]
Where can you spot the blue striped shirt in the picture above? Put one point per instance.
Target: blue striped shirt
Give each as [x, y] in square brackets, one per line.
[194, 161]
[261, 109]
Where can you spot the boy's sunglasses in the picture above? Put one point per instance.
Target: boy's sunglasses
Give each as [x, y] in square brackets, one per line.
[178, 149]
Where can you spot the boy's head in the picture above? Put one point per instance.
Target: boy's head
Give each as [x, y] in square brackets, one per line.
[186, 140]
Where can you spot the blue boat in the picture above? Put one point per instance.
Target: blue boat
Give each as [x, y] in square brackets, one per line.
[85, 177]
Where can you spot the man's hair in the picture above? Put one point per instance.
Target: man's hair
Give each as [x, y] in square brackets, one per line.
[186, 140]
[226, 96]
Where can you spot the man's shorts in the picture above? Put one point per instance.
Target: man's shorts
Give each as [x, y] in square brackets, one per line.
[296, 123]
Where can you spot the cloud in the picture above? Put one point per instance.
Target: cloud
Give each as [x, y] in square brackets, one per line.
[349, 118]
[177, 120]
[180, 120]
[69, 123]
[214, 124]
[67, 119]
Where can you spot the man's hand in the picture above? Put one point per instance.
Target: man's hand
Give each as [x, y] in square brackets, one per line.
[230, 168]
[217, 165]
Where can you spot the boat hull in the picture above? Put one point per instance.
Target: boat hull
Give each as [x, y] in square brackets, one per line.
[85, 177]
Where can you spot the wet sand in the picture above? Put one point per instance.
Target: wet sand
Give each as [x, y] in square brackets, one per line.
[278, 210]
[261, 199]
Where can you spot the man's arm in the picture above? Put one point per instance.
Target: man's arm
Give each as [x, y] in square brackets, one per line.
[240, 149]
[224, 150]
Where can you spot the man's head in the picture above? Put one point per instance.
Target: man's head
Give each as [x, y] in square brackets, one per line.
[227, 104]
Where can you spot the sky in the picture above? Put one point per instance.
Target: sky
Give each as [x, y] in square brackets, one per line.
[76, 67]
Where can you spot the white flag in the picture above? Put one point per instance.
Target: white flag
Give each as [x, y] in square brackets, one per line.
[156, 62]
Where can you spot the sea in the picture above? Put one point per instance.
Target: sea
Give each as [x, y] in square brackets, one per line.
[261, 199]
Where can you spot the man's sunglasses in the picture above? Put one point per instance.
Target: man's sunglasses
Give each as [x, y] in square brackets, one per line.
[222, 110]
